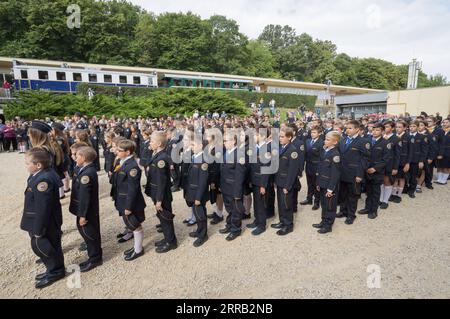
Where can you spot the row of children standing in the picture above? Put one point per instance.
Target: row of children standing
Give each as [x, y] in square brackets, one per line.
[338, 168]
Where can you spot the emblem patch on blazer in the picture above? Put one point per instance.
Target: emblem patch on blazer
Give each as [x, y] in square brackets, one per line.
[161, 164]
[133, 172]
[42, 186]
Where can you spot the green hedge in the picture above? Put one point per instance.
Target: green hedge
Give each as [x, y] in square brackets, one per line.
[33, 104]
[287, 101]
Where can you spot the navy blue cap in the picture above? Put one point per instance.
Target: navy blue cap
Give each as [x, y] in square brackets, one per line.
[41, 126]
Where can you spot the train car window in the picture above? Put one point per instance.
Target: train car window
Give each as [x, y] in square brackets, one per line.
[2, 78]
[43, 75]
[77, 77]
[24, 74]
[136, 79]
[92, 77]
[123, 79]
[61, 76]
[107, 78]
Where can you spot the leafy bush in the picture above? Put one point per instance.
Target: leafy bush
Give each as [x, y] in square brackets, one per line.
[287, 101]
[32, 104]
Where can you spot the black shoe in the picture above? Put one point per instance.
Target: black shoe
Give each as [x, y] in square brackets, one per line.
[316, 207]
[200, 241]
[285, 230]
[363, 211]
[174, 189]
[128, 251]
[225, 230]
[134, 255]
[318, 226]
[411, 195]
[306, 202]
[191, 223]
[123, 240]
[277, 226]
[90, 266]
[186, 221]
[39, 261]
[166, 248]
[40, 276]
[158, 226]
[62, 197]
[340, 215]
[161, 242]
[232, 236]
[246, 216]
[349, 221]
[373, 215]
[48, 280]
[258, 231]
[120, 236]
[397, 199]
[252, 225]
[429, 186]
[324, 230]
[67, 191]
[384, 206]
[193, 234]
[216, 220]
[211, 216]
[83, 247]
[159, 230]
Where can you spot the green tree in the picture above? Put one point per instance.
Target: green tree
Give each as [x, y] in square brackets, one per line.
[176, 41]
[228, 46]
[260, 61]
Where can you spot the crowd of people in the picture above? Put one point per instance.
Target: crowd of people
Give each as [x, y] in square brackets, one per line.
[231, 162]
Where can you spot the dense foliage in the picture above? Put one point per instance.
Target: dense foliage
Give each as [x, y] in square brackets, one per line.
[170, 102]
[120, 33]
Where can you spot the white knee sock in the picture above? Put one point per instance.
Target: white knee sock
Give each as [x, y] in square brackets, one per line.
[382, 193]
[444, 178]
[193, 215]
[395, 190]
[127, 235]
[138, 239]
[387, 193]
[219, 212]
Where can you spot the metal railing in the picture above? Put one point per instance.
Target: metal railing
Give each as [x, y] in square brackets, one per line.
[6, 93]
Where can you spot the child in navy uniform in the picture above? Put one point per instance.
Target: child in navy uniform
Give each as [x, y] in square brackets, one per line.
[328, 180]
[314, 147]
[84, 204]
[128, 196]
[158, 189]
[42, 215]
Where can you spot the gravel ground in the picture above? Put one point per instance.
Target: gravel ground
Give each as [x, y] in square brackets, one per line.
[409, 242]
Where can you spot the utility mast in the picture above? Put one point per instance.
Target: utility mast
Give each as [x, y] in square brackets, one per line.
[413, 74]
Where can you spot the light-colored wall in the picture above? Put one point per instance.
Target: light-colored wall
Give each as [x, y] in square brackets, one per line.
[430, 100]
